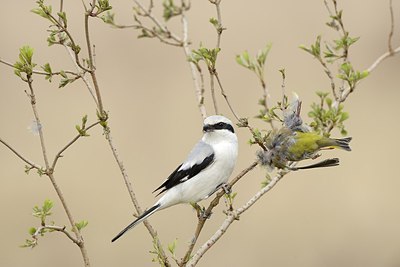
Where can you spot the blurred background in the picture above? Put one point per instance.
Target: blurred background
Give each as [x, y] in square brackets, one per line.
[343, 216]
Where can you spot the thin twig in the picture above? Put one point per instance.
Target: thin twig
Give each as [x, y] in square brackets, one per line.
[92, 68]
[27, 161]
[54, 228]
[214, 99]
[219, 29]
[41, 72]
[391, 27]
[330, 76]
[83, 76]
[59, 154]
[37, 119]
[147, 13]
[134, 200]
[198, 86]
[73, 44]
[225, 96]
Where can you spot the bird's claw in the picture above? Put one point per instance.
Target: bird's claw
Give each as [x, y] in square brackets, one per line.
[201, 211]
[227, 188]
[204, 214]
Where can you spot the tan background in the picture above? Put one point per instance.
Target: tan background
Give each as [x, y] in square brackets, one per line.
[346, 216]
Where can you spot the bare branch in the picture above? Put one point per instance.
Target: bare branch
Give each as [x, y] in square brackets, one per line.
[134, 200]
[219, 29]
[27, 161]
[83, 76]
[391, 27]
[59, 154]
[225, 96]
[198, 86]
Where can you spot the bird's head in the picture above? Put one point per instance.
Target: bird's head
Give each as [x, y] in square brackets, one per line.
[217, 123]
[218, 128]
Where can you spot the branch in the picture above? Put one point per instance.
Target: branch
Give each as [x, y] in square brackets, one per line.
[55, 228]
[199, 89]
[390, 48]
[85, 80]
[371, 68]
[27, 161]
[59, 154]
[232, 216]
[225, 96]
[134, 200]
[219, 29]
[92, 68]
[73, 44]
[147, 13]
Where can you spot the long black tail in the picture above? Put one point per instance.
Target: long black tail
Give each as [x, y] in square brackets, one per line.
[325, 163]
[141, 218]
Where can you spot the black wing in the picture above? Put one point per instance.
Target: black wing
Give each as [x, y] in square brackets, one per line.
[181, 175]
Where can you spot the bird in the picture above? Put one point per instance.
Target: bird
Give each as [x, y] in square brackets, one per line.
[206, 169]
[295, 141]
[292, 146]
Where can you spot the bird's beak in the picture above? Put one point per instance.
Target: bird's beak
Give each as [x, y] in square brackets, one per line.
[207, 128]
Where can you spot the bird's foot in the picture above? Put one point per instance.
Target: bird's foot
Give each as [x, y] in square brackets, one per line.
[201, 211]
[227, 188]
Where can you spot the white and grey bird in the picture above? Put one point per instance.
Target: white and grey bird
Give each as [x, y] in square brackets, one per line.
[206, 169]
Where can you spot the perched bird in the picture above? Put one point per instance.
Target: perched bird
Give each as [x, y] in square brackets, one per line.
[206, 169]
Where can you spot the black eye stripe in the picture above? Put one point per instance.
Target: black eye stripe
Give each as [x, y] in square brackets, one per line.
[221, 126]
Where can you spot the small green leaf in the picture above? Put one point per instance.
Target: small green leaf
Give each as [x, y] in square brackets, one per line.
[109, 18]
[47, 206]
[266, 181]
[364, 74]
[172, 247]
[27, 169]
[103, 5]
[329, 101]
[305, 48]
[84, 120]
[32, 230]
[343, 116]
[170, 9]
[29, 243]
[63, 74]
[46, 67]
[82, 224]
[63, 17]
[214, 22]
[322, 94]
